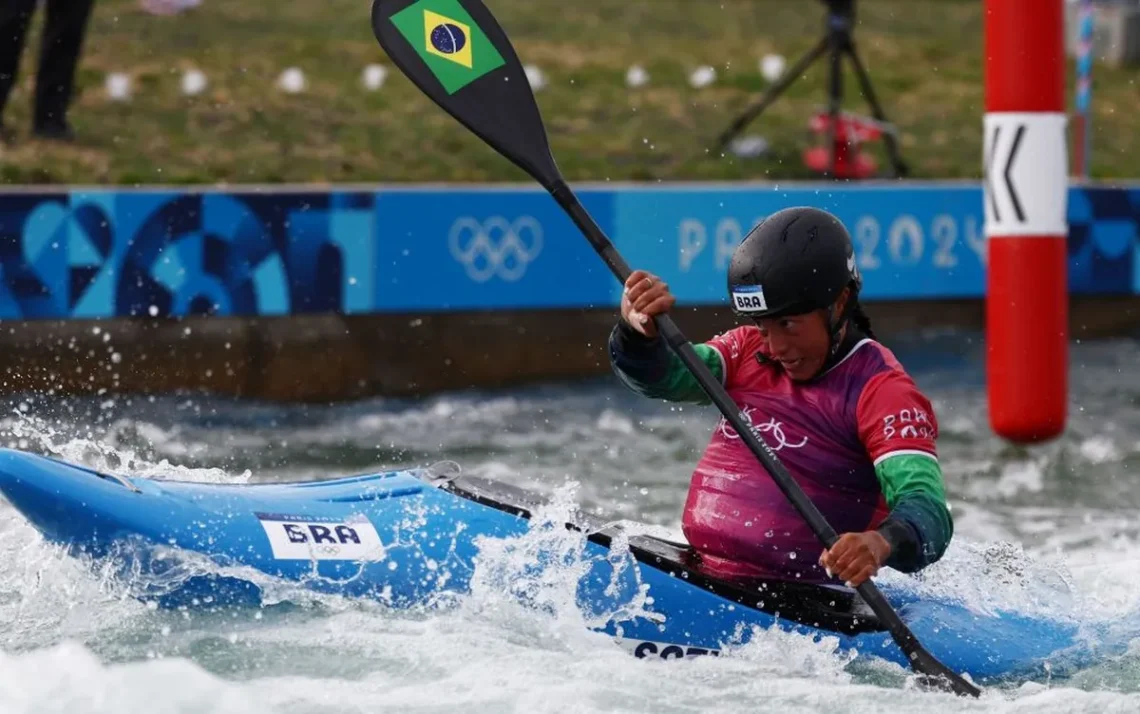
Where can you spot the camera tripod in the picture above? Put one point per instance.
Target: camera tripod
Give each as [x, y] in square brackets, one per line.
[838, 41]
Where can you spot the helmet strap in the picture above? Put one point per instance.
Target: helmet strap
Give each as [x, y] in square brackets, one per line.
[834, 329]
[835, 324]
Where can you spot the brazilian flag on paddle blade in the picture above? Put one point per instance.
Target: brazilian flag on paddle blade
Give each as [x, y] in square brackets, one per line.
[448, 41]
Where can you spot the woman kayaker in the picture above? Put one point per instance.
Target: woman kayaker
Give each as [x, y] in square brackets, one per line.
[842, 414]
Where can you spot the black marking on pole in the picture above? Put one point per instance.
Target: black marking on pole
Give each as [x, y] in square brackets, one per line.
[1009, 168]
[989, 173]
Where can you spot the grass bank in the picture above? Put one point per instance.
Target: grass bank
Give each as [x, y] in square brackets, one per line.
[925, 59]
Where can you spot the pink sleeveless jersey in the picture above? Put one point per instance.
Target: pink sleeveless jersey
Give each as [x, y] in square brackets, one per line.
[829, 434]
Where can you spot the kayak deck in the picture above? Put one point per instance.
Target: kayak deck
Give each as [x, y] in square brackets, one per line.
[835, 609]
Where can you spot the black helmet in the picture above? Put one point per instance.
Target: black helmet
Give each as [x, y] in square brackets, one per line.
[794, 261]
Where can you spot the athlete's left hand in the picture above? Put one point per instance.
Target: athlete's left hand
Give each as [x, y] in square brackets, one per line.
[856, 557]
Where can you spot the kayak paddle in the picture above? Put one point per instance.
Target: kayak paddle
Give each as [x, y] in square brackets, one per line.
[458, 55]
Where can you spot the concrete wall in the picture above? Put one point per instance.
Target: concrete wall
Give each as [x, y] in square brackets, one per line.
[320, 358]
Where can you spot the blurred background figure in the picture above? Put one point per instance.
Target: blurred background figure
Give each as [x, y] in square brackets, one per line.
[64, 29]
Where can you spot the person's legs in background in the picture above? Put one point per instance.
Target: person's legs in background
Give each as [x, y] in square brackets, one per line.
[64, 30]
[15, 17]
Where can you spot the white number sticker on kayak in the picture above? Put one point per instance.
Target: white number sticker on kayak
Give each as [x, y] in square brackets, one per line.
[296, 538]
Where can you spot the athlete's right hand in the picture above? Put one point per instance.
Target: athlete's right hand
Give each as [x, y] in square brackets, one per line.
[644, 297]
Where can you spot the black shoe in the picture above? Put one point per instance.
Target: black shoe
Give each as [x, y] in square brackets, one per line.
[54, 131]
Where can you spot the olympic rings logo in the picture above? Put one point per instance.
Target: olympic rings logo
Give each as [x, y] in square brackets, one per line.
[495, 247]
[773, 427]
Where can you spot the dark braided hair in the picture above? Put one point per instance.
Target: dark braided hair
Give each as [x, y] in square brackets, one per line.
[859, 319]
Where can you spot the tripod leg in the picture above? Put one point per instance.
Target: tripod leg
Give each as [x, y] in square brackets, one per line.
[770, 95]
[889, 138]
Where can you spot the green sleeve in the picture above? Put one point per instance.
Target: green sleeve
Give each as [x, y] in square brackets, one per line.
[919, 526]
[678, 384]
[651, 369]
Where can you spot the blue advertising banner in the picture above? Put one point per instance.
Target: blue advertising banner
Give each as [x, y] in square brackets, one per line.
[166, 253]
[1104, 250]
[486, 249]
[169, 252]
[910, 243]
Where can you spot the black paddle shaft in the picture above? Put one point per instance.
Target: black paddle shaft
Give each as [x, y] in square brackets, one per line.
[492, 98]
[922, 660]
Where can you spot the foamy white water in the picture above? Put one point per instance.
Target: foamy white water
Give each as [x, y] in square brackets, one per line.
[1050, 529]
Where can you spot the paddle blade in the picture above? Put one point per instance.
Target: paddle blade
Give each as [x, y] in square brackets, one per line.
[458, 55]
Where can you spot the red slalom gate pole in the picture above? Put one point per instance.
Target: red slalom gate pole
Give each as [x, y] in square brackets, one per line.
[1026, 224]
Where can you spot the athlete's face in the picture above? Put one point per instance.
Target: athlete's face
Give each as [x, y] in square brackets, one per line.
[799, 342]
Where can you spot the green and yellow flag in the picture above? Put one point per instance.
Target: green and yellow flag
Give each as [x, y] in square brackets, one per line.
[449, 42]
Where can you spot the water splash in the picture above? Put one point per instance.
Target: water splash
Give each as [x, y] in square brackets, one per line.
[541, 571]
[70, 678]
[29, 432]
[992, 577]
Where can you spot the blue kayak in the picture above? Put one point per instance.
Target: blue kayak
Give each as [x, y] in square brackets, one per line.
[409, 538]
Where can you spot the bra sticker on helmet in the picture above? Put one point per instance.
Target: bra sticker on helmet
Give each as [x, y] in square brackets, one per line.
[749, 298]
